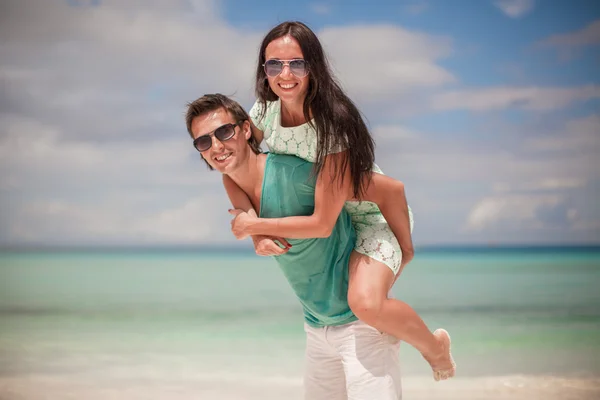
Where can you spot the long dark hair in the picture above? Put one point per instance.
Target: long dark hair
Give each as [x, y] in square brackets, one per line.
[337, 120]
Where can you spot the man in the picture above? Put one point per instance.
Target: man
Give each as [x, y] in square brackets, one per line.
[345, 358]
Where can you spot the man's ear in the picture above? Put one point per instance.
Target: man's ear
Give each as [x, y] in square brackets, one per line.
[247, 130]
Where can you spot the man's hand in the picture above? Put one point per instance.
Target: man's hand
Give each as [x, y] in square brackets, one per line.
[240, 223]
[266, 245]
[263, 245]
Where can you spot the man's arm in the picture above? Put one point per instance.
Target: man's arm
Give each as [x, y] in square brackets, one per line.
[263, 245]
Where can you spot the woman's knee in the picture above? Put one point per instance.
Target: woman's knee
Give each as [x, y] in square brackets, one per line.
[369, 284]
[365, 302]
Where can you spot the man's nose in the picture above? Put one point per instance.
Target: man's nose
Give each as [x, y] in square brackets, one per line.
[216, 143]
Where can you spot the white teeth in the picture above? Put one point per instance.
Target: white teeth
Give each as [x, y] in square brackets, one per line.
[223, 157]
[287, 86]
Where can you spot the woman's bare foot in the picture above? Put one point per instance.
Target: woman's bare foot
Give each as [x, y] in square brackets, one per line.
[442, 363]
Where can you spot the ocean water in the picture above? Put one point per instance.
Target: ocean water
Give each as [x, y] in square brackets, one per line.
[216, 320]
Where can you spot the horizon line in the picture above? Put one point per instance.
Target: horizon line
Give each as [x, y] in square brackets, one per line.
[249, 249]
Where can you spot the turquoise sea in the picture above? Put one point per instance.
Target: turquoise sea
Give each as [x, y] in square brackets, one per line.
[171, 317]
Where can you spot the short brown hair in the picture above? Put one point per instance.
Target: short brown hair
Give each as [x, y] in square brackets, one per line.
[212, 102]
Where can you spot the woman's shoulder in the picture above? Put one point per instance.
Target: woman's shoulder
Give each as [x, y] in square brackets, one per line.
[263, 115]
[268, 106]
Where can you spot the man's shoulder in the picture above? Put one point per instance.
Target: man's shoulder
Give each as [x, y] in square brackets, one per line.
[285, 160]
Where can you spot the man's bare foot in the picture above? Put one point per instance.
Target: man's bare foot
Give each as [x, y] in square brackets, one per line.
[442, 364]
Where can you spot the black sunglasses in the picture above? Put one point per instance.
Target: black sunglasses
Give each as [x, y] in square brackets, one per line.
[223, 133]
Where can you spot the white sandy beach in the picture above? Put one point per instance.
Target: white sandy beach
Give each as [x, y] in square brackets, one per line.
[207, 387]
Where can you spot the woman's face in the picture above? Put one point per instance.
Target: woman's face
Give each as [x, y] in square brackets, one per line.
[287, 86]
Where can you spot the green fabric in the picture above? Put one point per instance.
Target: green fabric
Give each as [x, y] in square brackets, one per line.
[317, 269]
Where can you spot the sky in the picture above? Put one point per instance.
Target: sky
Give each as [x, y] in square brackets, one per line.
[488, 111]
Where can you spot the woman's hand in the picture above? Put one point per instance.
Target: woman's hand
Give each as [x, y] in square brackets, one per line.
[407, 256]
[263, 245]
[240, 223]
[267, 246]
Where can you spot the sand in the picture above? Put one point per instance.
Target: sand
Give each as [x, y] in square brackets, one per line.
[39, 387]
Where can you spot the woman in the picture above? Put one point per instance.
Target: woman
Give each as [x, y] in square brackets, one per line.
[302, 111]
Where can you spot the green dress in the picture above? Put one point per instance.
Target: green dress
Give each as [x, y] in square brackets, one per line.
[374, 238]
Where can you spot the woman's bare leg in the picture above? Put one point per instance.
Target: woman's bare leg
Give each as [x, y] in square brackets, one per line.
[369, 283]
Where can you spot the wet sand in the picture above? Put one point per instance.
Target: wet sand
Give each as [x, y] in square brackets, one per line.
[37, 387]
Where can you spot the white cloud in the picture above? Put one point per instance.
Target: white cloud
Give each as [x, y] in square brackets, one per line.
[582, 134]
[506, 158]
[546, 193]
[106, 193]
[376, 62]
[393, 133]
[515, 8]
[60, 222]
[517, 211]
[588, 226]
[531, 217]
[571, 45]
[544, 184]
[483, 178]
[529, 98]
[35, 152]
[587, 36]
[72, 69]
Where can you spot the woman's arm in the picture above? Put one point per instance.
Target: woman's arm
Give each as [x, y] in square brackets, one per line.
[330, 196]
[263, 245]
[386, 192]
[390, 197]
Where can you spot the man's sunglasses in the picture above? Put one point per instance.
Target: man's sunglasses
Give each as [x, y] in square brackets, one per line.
[298, 67]
[223, 133]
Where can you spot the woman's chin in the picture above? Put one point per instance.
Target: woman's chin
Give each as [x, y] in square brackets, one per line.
[290, 96]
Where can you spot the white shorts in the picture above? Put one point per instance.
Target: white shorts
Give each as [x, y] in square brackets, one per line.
[351, 362]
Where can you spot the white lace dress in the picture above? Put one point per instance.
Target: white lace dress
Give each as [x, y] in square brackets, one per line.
[374, 238]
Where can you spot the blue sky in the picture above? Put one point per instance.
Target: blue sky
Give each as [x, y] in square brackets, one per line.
[489, 111]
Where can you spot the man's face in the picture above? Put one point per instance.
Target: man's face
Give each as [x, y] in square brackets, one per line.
[225, 156]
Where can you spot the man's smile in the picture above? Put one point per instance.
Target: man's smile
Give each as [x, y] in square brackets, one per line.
[222, 157]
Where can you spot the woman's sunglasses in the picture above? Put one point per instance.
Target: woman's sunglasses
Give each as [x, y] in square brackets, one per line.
[223, 133]
[298, 67]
